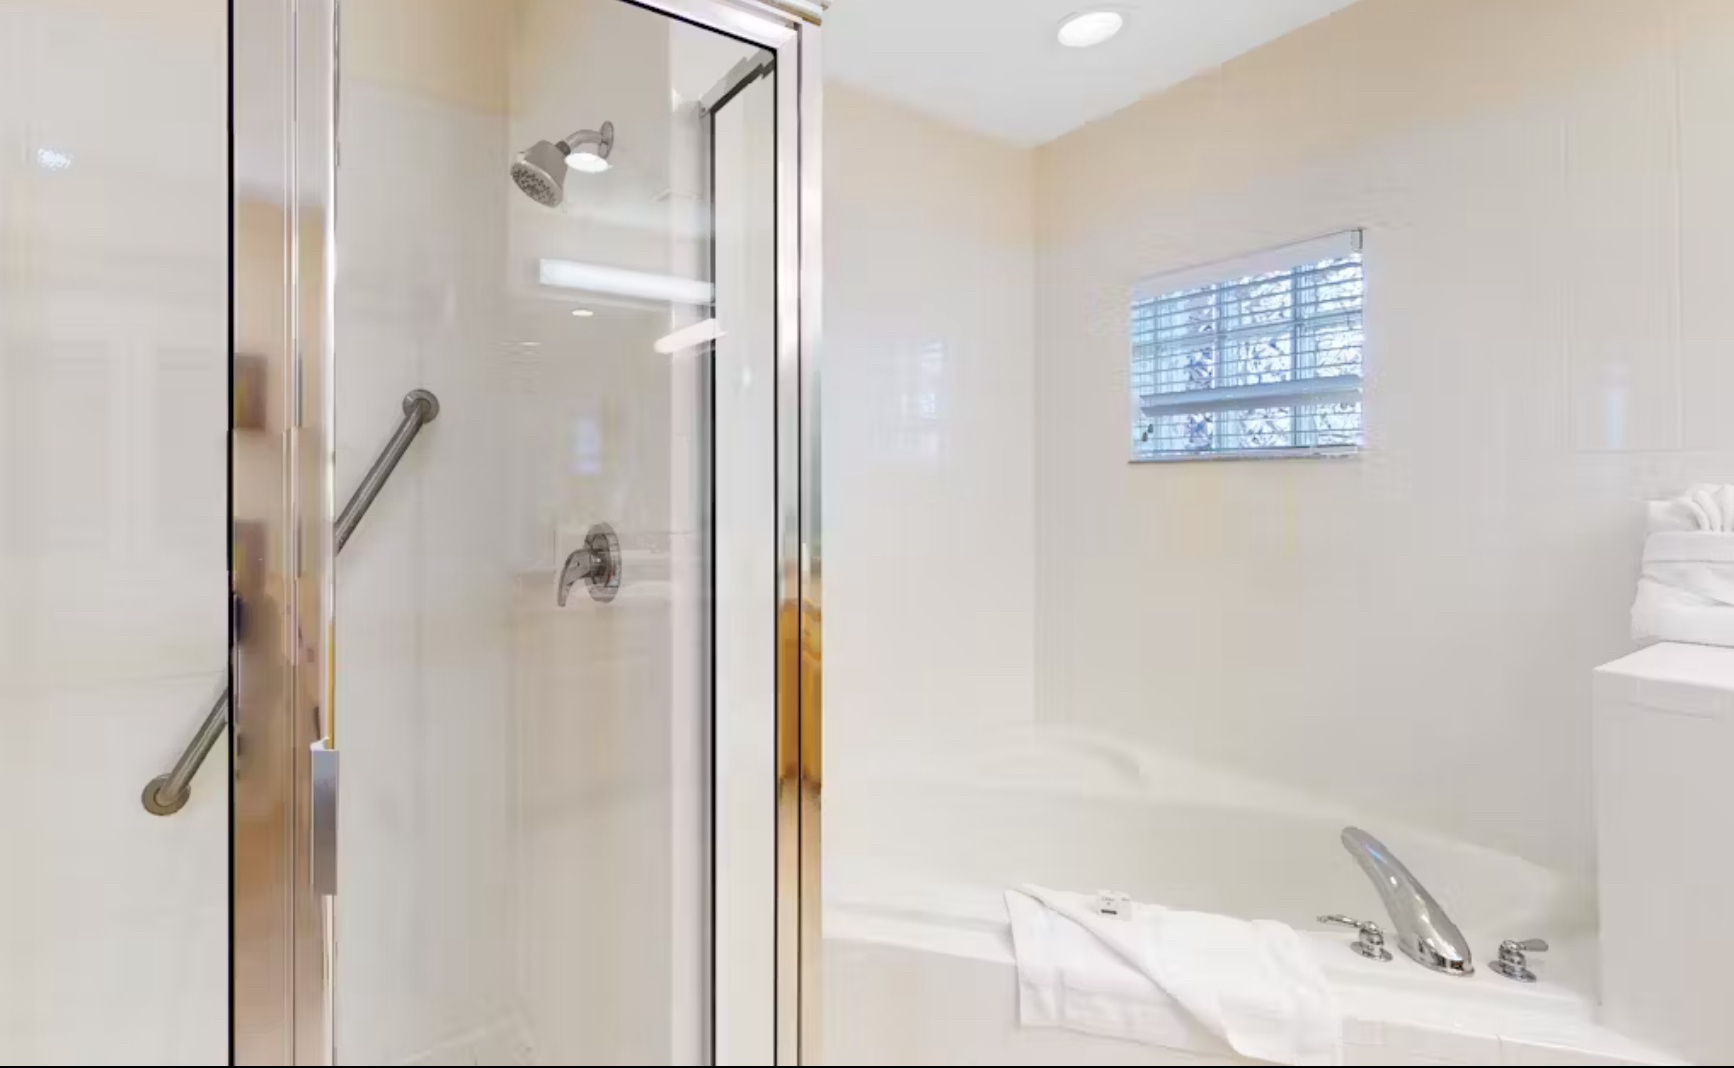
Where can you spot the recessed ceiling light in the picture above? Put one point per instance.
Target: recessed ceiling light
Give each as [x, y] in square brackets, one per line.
[1090, 28]
[583, 313]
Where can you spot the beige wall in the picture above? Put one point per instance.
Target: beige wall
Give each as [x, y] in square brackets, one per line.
[929, 268]
[1544, 186]
[453, 51]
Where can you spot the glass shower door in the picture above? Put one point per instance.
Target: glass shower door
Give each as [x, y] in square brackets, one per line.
[114, 621]
[553, 641]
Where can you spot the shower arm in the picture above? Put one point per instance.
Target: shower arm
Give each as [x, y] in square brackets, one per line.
[167, 794]
[603, 138]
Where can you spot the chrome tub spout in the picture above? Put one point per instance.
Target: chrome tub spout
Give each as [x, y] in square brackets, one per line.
[1424, 933]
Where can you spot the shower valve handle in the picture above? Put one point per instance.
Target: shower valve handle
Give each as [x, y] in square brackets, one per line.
[597, 565]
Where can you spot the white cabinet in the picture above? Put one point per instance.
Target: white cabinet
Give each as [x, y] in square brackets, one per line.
[1665, 832]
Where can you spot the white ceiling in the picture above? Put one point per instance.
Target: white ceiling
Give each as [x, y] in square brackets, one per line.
[995, 66]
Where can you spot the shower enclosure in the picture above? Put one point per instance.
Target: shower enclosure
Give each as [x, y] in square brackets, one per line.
[470, 730]
[540, 686]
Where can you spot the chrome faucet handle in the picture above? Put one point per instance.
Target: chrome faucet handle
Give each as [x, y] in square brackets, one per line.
[1513, 962]
[597, 564]
[1371, 943]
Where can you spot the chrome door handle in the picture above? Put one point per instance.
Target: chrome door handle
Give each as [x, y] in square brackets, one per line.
[324, 798]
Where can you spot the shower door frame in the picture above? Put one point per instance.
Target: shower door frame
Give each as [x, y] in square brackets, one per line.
[790, 30]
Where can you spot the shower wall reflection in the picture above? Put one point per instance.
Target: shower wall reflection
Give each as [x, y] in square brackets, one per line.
[524, 835]
[113, 561]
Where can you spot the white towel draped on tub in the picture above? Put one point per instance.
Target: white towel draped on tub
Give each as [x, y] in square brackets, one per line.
[1180, 980]
[1686, 592]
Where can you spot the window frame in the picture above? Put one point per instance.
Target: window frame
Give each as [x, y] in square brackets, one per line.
[1289, 258]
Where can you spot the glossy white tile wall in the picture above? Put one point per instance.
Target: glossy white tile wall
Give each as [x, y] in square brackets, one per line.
[515, 883]
[113, 511]
[928, 413]
[587, 685]
[1544, 189]
[611, 896]
[428, 834]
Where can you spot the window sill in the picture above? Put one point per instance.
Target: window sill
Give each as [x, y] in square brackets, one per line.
[1348, 452]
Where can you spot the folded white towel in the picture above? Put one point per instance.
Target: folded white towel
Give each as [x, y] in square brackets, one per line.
[1702, 507]
[1686, 591]
[1180, 980]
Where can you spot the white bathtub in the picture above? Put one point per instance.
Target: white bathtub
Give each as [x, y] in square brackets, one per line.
[918, 965]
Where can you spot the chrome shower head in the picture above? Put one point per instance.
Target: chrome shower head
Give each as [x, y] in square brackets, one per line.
[541, 173]
[540, 170]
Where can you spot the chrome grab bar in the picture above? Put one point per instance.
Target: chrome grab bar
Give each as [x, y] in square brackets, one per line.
[419, 409]
[167, 794]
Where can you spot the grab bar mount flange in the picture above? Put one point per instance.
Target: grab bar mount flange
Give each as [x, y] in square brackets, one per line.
[421, 398]
[157, 804]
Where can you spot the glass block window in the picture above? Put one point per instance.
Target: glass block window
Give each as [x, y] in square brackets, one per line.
[1260, 357]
